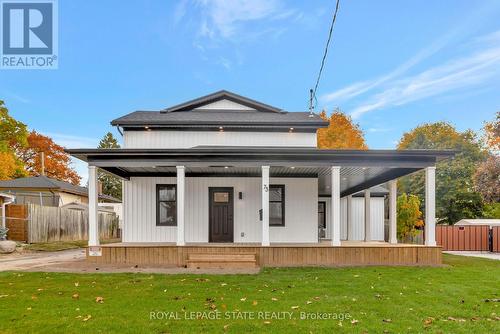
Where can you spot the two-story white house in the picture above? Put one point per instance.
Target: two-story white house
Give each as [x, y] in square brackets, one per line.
[227, 175]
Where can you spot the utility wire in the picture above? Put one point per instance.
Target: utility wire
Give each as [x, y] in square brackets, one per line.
[313, 91]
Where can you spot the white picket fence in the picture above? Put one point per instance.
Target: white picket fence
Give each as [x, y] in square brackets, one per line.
[47, 224]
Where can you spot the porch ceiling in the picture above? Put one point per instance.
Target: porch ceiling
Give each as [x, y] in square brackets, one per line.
[353, 179]
[359, 169]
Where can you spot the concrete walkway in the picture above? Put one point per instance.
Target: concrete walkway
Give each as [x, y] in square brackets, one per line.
[73, 261]
[41, 260]
[485, 255]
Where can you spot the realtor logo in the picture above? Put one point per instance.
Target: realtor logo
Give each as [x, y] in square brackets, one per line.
[29, 34]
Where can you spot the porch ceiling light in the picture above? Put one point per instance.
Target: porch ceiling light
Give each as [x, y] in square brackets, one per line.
[293, 167]
[221, 128]
[291, 129]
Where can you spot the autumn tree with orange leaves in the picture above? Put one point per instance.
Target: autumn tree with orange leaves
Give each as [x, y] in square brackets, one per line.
[341, 133]
[57, 162]
[12, 132]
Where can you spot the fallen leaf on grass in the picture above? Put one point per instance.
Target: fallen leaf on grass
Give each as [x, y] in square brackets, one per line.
[99, 300]
[428, 321]
[354, 321]
[295, 307]
[87, 318]
[226, 327]
[75, 296]
[202, 280]
[77, 284]
[267, 322]
[309, 302]
[243, 299]
[386, 320]
[254, 303]
[223, 284]
[274, 299]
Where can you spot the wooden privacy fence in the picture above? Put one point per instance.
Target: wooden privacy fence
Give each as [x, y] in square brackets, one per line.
[17, 222]
[495, 239]
[463, 238]
[46, 224]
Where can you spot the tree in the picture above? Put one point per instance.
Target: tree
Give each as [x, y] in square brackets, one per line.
[341, 133]
[492, 133]
[12, 133]
[454, 178]
[464, 205]
[487, 179]
[10, 167]
[57, 162]
[111, 185]
[409, 217]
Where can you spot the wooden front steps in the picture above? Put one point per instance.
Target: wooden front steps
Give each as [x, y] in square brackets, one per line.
[221, 261]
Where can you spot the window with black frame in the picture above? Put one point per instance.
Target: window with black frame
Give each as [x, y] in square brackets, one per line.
[166, 205]
[277, 205]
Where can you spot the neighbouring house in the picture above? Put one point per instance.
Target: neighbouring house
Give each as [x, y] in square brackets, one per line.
[477, 222]
[46, 191]
[224, 180]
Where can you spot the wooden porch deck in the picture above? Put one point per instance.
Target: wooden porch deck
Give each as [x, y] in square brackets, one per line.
[350, 253]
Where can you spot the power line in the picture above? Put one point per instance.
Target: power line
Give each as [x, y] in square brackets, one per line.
[313, 91]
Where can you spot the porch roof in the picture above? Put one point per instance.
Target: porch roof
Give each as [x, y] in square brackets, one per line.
[360, 169]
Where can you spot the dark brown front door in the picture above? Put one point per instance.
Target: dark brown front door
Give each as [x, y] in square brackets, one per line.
[220, 214]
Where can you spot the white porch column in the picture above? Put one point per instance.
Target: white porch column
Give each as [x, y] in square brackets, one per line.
[393, 192]
[93, 213]
[350, 229]
[265, 205]
[180, 205]
[430, 206]
[368, 228]
[335, 214]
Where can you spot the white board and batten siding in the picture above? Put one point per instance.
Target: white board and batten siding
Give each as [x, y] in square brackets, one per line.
[187, 139]
[358, 218]
[300, 209]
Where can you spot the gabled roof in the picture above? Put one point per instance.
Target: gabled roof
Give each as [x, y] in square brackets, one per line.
[221, 95]
[44, 182]
[225, 109]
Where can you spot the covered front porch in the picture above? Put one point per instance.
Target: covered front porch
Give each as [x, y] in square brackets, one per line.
[310, 173]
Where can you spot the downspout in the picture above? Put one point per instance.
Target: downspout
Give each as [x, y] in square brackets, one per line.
[120, 131]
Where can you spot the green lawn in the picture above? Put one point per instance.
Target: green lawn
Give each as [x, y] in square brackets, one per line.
[459, 298]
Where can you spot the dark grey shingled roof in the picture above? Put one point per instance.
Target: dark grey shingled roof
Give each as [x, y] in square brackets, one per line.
[44, 182]
[206, 118]
[185, 115]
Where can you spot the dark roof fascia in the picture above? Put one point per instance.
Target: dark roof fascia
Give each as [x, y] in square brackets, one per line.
[276, 128]
[222, 94]
[205, 124]
[313, 157]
